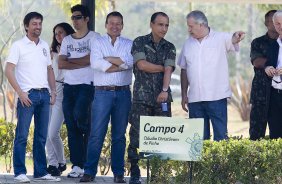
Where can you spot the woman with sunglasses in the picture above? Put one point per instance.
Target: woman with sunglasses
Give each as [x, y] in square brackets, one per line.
[54, 144]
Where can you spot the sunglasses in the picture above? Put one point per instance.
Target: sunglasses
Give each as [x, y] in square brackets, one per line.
[76, 17]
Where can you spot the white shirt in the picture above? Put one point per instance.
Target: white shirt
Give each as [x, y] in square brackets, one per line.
[77, 48]
[206, 65]
[279, 65]
[102, 47]
[31, 62]
[59, 74]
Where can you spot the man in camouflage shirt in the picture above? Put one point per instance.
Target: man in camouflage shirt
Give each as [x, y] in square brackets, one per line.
[261, 83]
[154, 62]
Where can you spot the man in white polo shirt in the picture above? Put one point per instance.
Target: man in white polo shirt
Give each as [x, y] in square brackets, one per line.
[204, 69]
[274, 70]
[78, 88]
[30, 73]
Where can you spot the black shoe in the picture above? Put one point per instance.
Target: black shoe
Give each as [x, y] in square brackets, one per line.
[62, 167]
[119, 179]
[86, 178]
[53, 170]
[134, 180]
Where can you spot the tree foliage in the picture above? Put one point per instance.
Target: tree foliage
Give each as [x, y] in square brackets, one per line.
[267, 7]
[102, 6]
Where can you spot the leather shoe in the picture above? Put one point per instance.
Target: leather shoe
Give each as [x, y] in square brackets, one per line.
[53, 170]
[134, 180]
[62, 167]
[86, 178]
[119, 179]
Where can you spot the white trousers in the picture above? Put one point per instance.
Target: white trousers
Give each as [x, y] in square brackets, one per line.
[54, 144]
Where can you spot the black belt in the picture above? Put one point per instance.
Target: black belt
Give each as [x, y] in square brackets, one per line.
[276, 90]
[112, 88]
[38, 89]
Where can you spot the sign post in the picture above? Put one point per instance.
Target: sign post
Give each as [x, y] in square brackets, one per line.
[173, 138]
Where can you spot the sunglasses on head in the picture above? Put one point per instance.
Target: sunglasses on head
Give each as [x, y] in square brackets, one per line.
[76, 17]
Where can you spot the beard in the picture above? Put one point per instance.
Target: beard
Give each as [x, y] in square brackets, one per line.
[36, 33]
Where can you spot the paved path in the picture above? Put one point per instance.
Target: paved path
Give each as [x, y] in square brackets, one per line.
[9, 179]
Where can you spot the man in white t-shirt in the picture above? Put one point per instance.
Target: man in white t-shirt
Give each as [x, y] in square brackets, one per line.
[78, 92]
[204, 69]
[30, 73]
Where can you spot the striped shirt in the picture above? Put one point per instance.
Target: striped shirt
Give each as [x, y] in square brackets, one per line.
[101, 48]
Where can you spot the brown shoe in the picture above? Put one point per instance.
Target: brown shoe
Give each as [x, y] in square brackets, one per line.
[86, 178]
[119, 179]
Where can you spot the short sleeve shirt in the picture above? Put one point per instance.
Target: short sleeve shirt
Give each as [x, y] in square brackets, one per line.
[77, 48]
[259, 47]
[31, 62]
[147, 86]
[206, 66]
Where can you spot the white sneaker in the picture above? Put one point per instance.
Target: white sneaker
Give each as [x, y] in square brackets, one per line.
[47, 177]
[22, 178]
[76, 172]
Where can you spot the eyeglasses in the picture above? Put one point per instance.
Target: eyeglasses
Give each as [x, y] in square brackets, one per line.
[76, 17]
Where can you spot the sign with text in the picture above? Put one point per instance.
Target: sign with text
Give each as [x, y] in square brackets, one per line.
[174, 138]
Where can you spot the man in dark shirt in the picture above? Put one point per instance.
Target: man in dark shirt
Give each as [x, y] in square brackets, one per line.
[273, 70]
[154, 62]
[261, 83]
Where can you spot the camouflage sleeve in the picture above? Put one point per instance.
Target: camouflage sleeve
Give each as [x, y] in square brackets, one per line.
[256, 50]
[137, 50]
[170, 59]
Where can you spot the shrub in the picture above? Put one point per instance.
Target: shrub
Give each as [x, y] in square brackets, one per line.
[230, 161]
[240, 99]
[7, 142]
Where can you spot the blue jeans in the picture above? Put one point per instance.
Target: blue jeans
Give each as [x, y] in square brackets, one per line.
[114, 105]
[40, 109]
[216, 111]
[77, 102]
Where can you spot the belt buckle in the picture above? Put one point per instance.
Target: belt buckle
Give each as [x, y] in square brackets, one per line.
[112, 88]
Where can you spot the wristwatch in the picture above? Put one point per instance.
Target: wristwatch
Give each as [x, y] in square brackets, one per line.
[164, 90]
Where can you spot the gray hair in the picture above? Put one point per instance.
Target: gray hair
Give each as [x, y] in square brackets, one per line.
[199, 17]
[278, 13]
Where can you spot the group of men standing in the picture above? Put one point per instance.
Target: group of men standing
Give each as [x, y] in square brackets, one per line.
[97, 79]
[266, 57]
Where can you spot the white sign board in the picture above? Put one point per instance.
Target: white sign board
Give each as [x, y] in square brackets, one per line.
[174, 138]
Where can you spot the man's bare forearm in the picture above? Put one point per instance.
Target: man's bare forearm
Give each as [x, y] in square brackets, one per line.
[113, 68]
[114, 60]
[167, 77]
[259, 62]
[9, 72]
[83, 61]
[64, 63]
[51, 79]
[184, 83]
[146, 66]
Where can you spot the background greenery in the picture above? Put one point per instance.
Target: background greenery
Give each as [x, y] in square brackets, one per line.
[230, 161]
[222, 17]
[224, 162]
